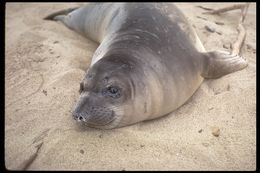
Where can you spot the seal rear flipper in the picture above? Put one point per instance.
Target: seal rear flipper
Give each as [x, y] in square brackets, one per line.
[220, 63]
[62, 16]
[59, 14]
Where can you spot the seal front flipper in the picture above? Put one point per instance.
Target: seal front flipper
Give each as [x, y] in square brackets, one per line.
[220, 63]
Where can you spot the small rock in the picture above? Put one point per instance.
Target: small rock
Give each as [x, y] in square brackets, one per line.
[250, 47]
[100, 136]
[200, 130]
[58, 56]
[211, 108]
[44, 92]
[215, 131]
[141, 146]
[219, 32]
[210, 29]
[205, 32]
[227, 46]
[219, 23]
[217, 92]
[54, 88]
[228, 87]
[201, 17]
[81, 151]
[55, 42]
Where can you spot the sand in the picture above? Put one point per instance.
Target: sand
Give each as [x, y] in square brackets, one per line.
[44, 63]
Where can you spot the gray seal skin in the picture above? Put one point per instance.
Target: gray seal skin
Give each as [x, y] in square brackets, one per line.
[149, 62]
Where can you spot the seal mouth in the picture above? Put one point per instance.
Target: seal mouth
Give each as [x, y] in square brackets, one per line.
[94, 120]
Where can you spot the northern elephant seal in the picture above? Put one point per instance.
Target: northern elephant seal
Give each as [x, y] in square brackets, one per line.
[149, 62]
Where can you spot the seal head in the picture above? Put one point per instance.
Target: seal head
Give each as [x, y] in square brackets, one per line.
[107, 92]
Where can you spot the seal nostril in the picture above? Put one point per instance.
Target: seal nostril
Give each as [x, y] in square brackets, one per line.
[80, 118]
[74, 115]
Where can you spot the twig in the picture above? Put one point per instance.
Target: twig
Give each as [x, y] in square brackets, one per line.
[201, 18]
[236, 47]
[204, 8]
[222, 10]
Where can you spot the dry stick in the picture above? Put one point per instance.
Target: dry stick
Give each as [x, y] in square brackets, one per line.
[236, 47]
[204, 8]
[222, 10]
[244, 12]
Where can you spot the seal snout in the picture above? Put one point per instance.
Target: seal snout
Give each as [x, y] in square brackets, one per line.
[94, 116]
[78, 117]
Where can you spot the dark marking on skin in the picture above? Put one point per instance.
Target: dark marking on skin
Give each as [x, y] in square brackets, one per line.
[114, 15]
[106, 78]
[145, 107]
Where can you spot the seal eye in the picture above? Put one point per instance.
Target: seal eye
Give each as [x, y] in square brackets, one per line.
[112, 91]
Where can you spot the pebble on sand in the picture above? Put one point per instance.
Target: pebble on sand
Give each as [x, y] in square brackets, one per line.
[210, 29]
[215, 131]
[44, 92]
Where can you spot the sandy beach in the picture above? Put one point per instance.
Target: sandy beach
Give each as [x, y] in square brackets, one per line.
[44, 63]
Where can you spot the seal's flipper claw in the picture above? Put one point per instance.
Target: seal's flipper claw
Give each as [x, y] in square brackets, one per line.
[220, 63]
